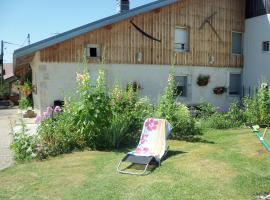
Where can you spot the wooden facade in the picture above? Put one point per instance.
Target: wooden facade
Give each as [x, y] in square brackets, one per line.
[122, 41]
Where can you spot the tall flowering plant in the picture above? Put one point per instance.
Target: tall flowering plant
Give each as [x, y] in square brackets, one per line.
[48, 114]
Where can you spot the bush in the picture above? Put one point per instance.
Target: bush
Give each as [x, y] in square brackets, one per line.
[223, 120]
[24, 103]
[206, 110]
[257, 109]
[183, 125]
[128, 114]
[24, 146]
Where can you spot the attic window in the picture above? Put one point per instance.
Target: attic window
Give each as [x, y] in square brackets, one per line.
[93, 51]
[265, 46]
[181, 40]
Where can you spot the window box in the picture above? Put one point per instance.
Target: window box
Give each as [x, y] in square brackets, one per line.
[203, 80]
[219, 90]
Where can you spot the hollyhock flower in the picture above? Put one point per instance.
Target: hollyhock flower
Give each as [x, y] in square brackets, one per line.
[151, 124]
[49, 109]
[38, 119]
[57, 109]
[46, 115]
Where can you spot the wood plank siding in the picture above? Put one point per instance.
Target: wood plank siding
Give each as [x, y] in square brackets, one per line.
[122, 41]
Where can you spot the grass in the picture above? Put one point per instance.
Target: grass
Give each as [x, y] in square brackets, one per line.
[228, 164]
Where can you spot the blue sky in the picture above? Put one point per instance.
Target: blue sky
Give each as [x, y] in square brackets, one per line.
[44, 18]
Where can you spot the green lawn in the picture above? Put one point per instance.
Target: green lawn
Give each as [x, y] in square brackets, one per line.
[223, 165]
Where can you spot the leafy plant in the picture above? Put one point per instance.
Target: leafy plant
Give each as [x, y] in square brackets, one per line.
[203, 80]
[206, 110]
[25, 89]
[219, 90]
[23, 145]
[4, 90]
[257, 109]
[24, 103]
[183, 125]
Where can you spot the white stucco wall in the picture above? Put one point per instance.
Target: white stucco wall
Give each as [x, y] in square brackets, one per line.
[257, 62]
[57, 80]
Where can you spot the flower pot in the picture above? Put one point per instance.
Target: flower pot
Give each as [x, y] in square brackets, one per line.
[203, 80]
[219, 90]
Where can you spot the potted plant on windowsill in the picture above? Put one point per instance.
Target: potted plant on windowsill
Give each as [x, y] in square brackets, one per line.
[219, 90]
[203, 80]
[25, 89]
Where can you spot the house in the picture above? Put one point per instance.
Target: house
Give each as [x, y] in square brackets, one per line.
[9, 78]
[200, 37]
[257, 45]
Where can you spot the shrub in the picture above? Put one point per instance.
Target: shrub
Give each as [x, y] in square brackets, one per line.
[24, 103]
[223, 120]
[183, 125]
[206, 110]
[23, 145]
[257, 109]
[128, 113]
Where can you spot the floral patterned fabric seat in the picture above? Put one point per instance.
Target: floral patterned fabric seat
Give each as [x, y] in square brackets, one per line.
[152, 146]
[153, 138]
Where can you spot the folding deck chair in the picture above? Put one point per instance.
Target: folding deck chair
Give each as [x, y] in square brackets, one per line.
[152, 147]
[261, 137]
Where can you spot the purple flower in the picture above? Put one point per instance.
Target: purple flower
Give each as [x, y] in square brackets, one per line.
[38, 119]
[46, 115]
[49, 109]
[57, 109]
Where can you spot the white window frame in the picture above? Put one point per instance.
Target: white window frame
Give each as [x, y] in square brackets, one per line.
[242, 40]
[93, 46]
[188, 40]
[235, 73]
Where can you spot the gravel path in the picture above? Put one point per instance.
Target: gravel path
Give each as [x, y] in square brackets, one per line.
[7, 117]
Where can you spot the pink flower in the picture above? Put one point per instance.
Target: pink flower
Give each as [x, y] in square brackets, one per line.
[46, 115]
[151, 124]
[38, 119]
[49, 109]
[57, 109]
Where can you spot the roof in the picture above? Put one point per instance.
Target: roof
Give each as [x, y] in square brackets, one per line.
[8, 67]
[90, 27]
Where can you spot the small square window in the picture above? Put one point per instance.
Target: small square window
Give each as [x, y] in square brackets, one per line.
[237, 43]
[235, 84]
[93, 51]
[181, 86]
[265, 46]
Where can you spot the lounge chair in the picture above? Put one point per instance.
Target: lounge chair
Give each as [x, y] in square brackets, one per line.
[152, 147]
[261, 137]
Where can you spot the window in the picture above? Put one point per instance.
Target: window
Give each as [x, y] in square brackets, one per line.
[181, 41]
[235, 84]
[181, 86]
[265, 46]
[93, 51]
[237, 40]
